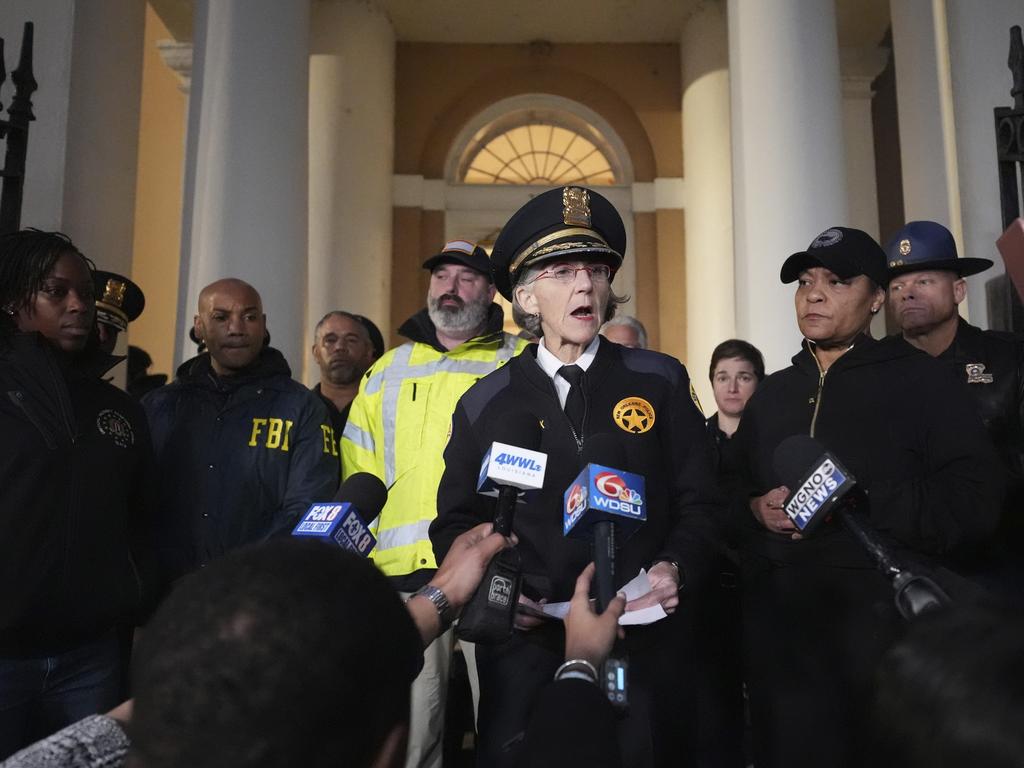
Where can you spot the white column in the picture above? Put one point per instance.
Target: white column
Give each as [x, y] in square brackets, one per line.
[103, 130]
[924, 101]
[710, 292]
[351, 156]
[789, 173]
[245, 212]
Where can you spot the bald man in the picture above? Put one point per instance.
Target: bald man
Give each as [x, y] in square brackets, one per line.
[240, 446]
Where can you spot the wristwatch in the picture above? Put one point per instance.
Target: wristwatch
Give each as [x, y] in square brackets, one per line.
[440, 601]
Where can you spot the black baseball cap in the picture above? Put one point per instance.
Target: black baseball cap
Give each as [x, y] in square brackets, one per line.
[462, 252]
[845, 251]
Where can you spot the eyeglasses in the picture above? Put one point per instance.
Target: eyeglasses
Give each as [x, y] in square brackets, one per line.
[566, 273]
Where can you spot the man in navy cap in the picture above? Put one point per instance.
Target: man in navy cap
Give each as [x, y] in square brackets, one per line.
[926, 285]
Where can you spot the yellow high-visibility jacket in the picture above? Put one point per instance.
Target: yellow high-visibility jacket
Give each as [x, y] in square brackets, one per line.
[398, 427]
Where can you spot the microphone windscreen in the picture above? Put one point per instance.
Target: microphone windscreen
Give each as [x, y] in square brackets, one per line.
[521, 430]
[794, 457]
[365, 492]
[603, 448]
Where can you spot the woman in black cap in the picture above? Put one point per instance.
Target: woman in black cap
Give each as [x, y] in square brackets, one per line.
[817, 613]
[73, 467]
[596, 401]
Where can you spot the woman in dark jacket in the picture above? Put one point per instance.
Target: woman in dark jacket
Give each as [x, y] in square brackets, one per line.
[74, 462]
[817, 614]
[557, 257]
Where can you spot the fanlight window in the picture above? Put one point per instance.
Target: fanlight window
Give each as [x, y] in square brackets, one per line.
[538, 153]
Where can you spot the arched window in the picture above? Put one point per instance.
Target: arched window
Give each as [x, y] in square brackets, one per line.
[539, 153]
[539, 147]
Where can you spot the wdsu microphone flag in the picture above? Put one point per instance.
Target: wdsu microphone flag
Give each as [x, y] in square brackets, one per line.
[602, 493]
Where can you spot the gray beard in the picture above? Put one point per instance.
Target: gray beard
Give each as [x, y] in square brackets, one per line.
[470, 316]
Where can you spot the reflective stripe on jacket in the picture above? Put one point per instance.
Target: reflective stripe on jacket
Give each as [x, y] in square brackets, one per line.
[397, 430]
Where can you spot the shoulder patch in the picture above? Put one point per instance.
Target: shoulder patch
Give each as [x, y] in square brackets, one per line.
[696, 400]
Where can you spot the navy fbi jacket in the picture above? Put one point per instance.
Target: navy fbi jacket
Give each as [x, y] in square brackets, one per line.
[240, 458]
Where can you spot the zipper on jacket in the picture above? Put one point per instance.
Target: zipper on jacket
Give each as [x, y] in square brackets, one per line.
[18, 398]
[414, 391]
[817, 398]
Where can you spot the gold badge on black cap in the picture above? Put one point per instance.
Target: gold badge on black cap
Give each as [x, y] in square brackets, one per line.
[113, 292]
[576, 207]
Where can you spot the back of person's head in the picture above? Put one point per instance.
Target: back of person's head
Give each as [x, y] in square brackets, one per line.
[951, 693]
[27, 257]
[733, 348]
[291, 652]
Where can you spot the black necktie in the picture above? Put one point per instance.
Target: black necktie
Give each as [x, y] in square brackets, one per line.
[574, 403]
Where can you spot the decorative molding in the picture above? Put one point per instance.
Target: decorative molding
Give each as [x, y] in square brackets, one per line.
[178, 58]
[858, 68]
[664, 194]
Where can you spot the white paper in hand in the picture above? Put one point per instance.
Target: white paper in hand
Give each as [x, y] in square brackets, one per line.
[635, 588]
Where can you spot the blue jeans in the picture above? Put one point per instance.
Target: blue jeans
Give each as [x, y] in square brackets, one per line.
[41, 695]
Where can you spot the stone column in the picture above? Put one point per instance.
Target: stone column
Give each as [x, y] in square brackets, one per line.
[789, 171]
[710, 293]
[351, 156]
[245, 212]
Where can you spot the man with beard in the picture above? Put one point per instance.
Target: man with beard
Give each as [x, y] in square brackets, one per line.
[239, 444]
[343, 349]
[397, 429]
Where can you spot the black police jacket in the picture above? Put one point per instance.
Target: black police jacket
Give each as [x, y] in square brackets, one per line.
[240, 458]
[75, 465]
[673, 453]
[909, 434]
[992, 365]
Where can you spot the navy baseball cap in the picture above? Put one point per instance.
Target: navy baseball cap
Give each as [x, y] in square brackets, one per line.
[462, 252]
[927, 245]
[845, 251]
[568, 222]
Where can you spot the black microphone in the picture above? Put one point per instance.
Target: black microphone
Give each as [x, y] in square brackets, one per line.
[605, 503]
[510, 467]
[822, 487]
[343, 520]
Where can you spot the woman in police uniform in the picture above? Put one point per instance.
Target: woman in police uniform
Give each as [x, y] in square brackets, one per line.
[555, 259]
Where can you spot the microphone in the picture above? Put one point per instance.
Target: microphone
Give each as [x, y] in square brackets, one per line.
[511, 468]
[605, 504]
[828, 489]
[359, 498]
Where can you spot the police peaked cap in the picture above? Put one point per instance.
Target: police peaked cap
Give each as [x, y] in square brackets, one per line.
[118, 299]
[926, 245]
[567, 223]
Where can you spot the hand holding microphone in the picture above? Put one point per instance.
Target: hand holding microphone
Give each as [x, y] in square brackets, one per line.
[824, 487]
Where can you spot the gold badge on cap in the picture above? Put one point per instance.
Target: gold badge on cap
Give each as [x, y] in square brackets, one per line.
[113, 292]
[904, 247]
[976, 374]
[634, 415]
[575, 207]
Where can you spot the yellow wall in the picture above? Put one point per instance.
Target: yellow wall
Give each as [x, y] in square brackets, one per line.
[157, 242]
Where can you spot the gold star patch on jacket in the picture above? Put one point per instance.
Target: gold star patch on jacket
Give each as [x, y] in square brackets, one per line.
[634, 415]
